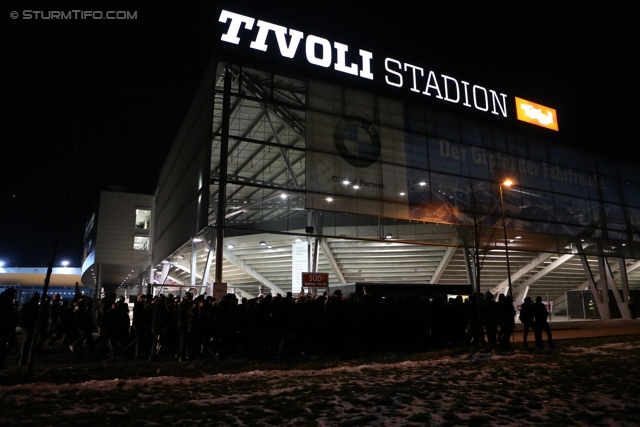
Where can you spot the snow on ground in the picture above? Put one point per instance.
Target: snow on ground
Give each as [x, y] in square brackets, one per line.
[477, 389]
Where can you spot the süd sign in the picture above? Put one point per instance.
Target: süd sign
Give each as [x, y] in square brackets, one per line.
[321, 52]
[315, 280]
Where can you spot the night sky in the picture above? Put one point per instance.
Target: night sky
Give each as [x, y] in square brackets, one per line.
[93, 103]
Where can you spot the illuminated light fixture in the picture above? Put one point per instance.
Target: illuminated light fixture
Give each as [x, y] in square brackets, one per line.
[518, 237]
[355, 187]
[263, 243]
[346, 182]
[402, 193]
[65, 263]
[230, 246]
[298, 240]
[422, 184]
[507, 182]
[329, 199]
[197, 239]
[389, 236]
[624, 244]
[283, 196]
[229, 215]
[269, 246]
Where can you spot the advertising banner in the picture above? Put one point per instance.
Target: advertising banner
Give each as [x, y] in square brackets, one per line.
[352, 158]
[299, 264]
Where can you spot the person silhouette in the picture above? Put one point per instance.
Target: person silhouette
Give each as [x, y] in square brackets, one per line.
[540, 323]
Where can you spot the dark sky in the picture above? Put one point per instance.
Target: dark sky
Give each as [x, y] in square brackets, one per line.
[92, 103]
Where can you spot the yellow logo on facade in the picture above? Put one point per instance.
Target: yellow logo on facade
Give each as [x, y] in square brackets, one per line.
[536, 114]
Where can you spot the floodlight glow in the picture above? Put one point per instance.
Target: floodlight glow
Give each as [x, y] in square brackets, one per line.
[197, 239]
[1, 264]
[422, 183]
[402, 194]
[298, 240]
[65, 263]
[355, 187]
[346, 182]
[230, 246]
[329, 199]
[507, 182]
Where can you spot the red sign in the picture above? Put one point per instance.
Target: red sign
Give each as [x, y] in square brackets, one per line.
[315, 280]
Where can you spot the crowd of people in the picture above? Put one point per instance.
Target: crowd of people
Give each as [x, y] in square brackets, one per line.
[267, 326]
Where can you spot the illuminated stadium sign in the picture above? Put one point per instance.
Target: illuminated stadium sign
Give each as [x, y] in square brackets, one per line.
[536, 114]
[321, 52]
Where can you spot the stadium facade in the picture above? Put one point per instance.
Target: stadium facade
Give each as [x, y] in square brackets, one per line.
[305, 154]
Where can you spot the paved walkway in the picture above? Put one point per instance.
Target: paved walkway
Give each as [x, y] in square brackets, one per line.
[562, 328]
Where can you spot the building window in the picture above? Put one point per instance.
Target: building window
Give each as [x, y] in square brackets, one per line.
[143, 219]
[141, 243]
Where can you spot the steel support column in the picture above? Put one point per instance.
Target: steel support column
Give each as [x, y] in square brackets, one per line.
[194, 253]
[623, 305]
[222, 179]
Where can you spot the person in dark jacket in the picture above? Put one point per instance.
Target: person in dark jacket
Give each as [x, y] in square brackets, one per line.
[121, 322]
[184, 313]
[140, 325]
[506, 319]
[8, 323]
[84, 325]
[160, 319]
[28, 320]
[54, 312]
[540, 323]
[106, 322]
[526, 318]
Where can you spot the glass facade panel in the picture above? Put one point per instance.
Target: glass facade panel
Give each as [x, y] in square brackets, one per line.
[631, 193]
[629, 172]
[358, 159]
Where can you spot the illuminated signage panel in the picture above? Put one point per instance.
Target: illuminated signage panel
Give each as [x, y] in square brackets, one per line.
[324, 53]
[536, 114]
[315, 280]
[360, 63]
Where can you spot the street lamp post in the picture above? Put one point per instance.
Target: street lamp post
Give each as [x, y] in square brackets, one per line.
[506, 183]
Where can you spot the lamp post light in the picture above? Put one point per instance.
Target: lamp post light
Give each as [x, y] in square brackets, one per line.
[507, 183]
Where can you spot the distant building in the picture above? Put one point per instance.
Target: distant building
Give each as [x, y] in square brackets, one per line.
[28, 280]
[118, 242]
